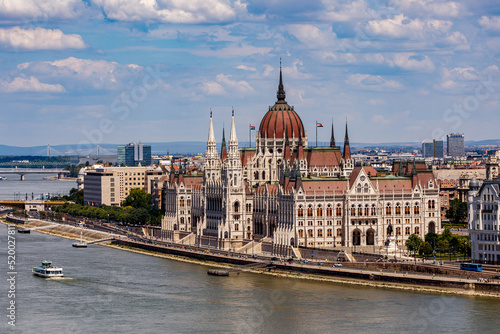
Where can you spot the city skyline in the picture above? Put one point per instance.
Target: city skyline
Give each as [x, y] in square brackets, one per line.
[92, 72]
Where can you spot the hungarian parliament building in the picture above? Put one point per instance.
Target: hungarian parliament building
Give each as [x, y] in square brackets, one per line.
[289, 195]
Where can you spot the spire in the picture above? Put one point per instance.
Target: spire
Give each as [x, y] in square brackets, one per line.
[211, 136]
[223, 150]
[233, 153]
[347, 148]
[211, 143]
[281, 90]
[232, 135]
[346, 140]
[332, 138]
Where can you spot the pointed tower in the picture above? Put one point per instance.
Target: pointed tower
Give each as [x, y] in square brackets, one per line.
[223, 150]
[233, 168]
[234, 188]
[211, 143]
[279, 122]
[212, 166]
[280, 94]
[332, 138]
[347, 161]
[347, 148]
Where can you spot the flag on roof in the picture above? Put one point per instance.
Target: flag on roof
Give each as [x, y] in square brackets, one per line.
[252, 127]
[319, 125]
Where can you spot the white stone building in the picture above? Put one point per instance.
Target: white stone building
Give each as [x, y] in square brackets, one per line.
[285, 194]
[484, 233]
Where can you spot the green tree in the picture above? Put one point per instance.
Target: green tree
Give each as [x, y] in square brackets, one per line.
[443, 245]
[138, 198]
[457, 213]
[426, 249]
[455, 244]
[413, 243]
[431, 238]
[446, 235]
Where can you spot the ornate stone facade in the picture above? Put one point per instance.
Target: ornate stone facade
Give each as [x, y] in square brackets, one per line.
[288, 194]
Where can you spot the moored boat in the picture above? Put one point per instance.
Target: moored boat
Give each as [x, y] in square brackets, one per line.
[216, 272]
[47, 270]
[80, 244]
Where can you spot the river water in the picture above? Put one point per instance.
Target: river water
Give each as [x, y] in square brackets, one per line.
[109, 291]
[34, 184]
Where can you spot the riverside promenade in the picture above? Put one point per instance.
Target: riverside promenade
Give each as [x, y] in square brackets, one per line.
[355, 273]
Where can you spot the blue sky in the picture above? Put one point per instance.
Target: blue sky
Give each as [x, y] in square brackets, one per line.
[116, 71]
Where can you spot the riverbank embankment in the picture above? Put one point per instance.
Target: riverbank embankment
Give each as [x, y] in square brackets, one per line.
[325, 272]
[403, 280]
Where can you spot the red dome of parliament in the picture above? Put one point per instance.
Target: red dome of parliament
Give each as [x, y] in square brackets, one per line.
[281, 120]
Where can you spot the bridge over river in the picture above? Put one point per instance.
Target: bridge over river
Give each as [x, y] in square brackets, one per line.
[23, 171]
[22, 204]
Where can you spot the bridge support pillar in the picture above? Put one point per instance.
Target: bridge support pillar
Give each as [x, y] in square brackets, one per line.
[22, 177]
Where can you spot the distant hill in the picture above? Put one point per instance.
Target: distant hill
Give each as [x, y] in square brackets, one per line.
[184, 147]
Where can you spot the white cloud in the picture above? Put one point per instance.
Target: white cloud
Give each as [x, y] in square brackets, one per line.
[30, 84]
[376, 102]
[268, 71]
[409, 61]
[84, 73]
[373, 82]
[394, 118]
[233, 50]
[401, 26]
[224, 84]
[294, 71]
[17, 38]
[412, 62]
[460, 78]
[349, 10]
[312, 36]
[490, 23]
[172, 11]
[212, 88]
[246, 68]
[442, 8]
[458, 40]
[379, 119]
[39, 11]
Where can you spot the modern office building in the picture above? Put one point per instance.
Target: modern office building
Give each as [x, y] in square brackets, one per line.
[455, 145]
[111, 185]
[133, 154]
[433, 148]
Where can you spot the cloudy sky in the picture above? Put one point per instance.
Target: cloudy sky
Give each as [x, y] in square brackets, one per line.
[116, 71]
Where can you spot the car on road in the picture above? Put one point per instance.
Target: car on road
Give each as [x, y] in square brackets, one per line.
[320, 263]
[274, 258]
[337, 264]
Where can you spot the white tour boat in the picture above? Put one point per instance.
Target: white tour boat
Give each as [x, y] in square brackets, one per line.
[47, 270]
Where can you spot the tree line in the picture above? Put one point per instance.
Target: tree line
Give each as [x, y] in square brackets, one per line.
[443, 243]
[135, 209]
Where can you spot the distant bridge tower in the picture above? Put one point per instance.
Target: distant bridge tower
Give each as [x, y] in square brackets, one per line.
[97, 149]
[48, 150]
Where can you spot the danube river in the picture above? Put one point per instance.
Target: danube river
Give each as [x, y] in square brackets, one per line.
[111, 291]
[13, 188]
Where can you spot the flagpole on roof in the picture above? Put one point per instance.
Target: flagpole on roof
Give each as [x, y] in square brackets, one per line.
[316, 126]
[249, 135]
